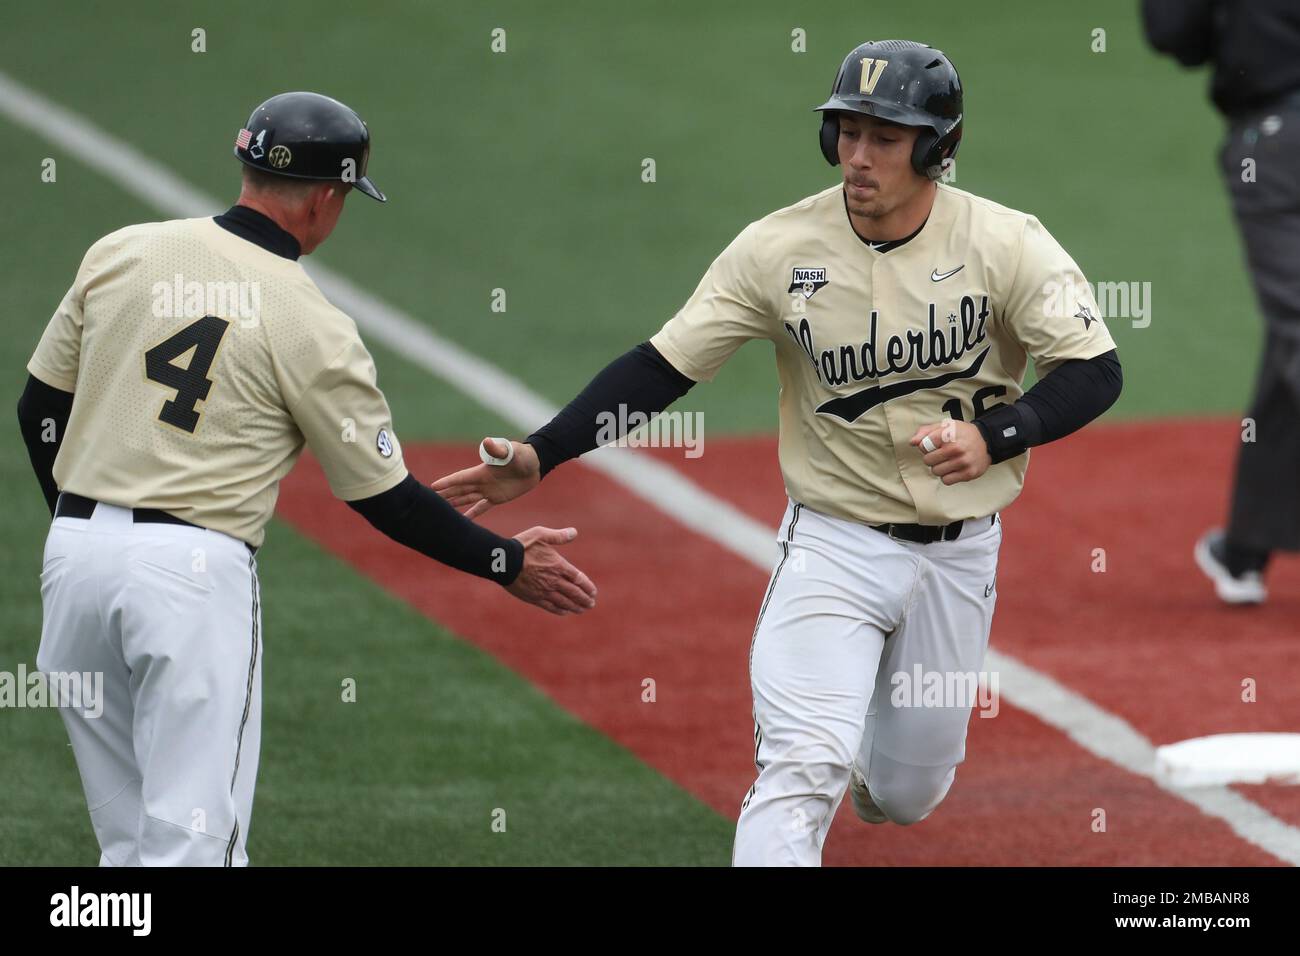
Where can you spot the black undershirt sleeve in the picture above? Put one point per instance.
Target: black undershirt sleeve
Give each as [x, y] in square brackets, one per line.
[419, 518]
[43, 413]
[641, 379]
[1061, 402]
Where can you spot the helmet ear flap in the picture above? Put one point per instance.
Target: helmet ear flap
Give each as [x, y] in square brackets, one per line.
[931, 150]
[830, 138]
[924, 153]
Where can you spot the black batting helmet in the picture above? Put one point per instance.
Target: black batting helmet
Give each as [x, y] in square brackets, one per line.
[907, 83]
[308, 136]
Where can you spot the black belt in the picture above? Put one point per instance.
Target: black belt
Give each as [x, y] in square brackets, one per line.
[77, 506]
[922, 533]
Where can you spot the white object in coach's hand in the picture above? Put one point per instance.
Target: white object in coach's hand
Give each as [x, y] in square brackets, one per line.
[490, 459]
[926, 444]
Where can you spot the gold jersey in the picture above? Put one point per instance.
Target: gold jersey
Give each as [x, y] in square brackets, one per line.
[201, 364]
[871, 345]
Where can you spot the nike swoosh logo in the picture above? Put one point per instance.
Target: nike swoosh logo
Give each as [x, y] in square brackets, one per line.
[850, 408]
[936, 277]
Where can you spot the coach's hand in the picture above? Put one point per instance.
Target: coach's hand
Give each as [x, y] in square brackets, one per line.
[959, 451]
[477, 489]
[547, 580]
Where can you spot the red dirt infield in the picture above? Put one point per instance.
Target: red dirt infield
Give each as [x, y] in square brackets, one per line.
[1146, 640]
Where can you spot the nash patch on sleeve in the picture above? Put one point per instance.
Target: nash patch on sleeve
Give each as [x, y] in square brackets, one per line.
[807, 281]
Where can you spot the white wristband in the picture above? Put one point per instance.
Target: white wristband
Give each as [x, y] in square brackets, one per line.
[490, 459]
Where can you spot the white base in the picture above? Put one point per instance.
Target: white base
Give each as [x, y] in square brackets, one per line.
[1229, 758]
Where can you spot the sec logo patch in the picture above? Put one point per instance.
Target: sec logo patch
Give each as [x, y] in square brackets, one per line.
[279, 157]
[384, 443]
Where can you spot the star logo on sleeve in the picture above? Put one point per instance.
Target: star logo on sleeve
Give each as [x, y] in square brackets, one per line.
[1088, 318]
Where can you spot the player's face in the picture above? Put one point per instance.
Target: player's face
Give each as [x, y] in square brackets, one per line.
[876, 158]
[326, 205]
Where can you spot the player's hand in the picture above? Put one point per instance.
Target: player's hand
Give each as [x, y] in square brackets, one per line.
[959, 450]
[475, 490]
[547, 580]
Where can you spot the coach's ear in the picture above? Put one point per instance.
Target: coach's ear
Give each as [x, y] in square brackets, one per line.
[319, 198]
[320, 212]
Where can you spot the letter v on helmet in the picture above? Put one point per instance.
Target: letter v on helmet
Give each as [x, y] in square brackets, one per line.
[871, 70]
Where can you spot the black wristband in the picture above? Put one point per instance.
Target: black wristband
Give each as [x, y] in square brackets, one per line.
[1003, 433]
[1059, 403]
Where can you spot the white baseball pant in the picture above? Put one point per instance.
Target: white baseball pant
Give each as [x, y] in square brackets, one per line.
[851, 617]
[170, 616]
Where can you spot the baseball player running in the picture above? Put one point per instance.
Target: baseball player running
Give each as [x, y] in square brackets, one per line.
[903, 313]
[174, 387]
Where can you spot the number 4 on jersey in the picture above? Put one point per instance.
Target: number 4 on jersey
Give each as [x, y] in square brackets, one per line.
[190, 382]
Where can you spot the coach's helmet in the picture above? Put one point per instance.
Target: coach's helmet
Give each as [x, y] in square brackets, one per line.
[308, 136]
[908, 83]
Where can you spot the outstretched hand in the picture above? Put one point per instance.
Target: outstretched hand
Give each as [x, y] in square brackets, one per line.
[474, 490]
[548, 580]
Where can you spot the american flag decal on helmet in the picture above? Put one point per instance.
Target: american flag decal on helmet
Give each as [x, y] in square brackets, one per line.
[242, 140]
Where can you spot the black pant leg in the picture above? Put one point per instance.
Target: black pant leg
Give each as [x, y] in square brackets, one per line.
[1265, 510]
[1265, 513]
